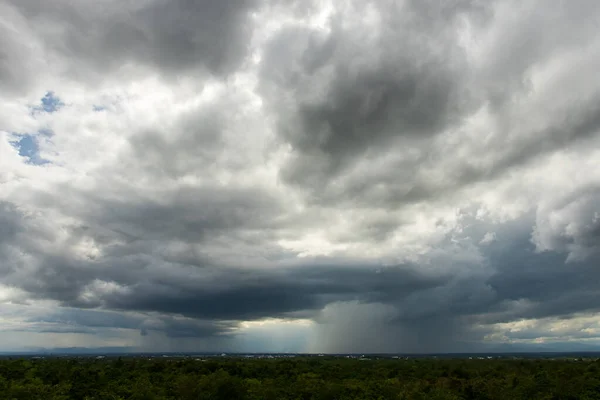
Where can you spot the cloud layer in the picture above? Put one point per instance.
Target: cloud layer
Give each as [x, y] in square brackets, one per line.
[299, 176]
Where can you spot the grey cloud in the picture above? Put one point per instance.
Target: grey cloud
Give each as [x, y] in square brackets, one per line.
[10, 222]
[89, 321]
[189, 328]
[572, 224]
[418, 304]
[172, 37]
[419, 301]
[514, 282]
[528, 41]
[371, 115]
[550, 287]
[18, 61]
[367, 112]
[15, 230]
[194, 143]
[192, 214]
[126, 280]
[353, 94]
[348, 327]
[529, 284]
[218, 293]
[208, 291]
[575, 127]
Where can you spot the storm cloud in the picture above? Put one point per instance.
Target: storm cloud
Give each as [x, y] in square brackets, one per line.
[255, 175]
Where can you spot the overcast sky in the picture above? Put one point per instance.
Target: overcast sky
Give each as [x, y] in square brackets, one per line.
[303, 176]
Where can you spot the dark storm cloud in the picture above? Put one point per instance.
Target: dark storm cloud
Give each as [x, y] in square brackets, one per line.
[144, 279]
[549, 286]
[176, 235]
[70, 320]
[516, 282]
[381, 95]
[421, 302]
[241, 295]
[420, 299]
[172, 37]
[355, 95]
[137, 282]
[89, 321]
[126, 280]
[188, 328]
[91, 318]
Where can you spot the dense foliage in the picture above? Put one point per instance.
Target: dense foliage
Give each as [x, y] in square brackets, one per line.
[297, 378]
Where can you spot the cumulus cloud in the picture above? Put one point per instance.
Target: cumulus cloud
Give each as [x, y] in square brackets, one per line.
[358, 176]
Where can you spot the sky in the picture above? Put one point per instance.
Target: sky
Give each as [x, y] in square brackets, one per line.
[300, 176]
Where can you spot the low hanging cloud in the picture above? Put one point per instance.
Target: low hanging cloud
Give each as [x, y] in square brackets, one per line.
[299, 176]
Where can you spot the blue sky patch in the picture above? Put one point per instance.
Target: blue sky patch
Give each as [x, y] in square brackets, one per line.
[29, 147]
[49, 103]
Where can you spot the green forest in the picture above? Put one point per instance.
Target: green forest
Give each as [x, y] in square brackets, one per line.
[297, 378]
